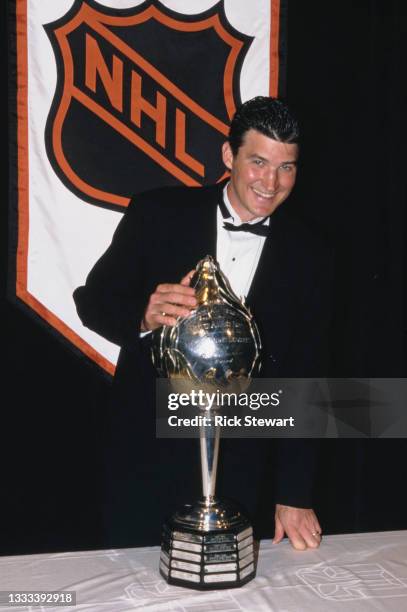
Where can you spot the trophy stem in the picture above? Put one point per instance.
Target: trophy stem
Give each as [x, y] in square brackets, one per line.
[209, 443]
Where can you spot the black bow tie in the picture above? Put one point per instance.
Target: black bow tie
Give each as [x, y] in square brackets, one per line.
[256, 228]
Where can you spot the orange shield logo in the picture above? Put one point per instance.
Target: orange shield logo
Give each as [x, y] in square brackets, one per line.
[144, 98]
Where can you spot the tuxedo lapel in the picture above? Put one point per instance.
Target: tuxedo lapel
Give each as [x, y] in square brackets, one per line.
[274, 267]
[197, 229]
[205, 237]
[275, 293]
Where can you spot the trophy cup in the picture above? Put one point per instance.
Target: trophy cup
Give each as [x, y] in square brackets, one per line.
[209, 545]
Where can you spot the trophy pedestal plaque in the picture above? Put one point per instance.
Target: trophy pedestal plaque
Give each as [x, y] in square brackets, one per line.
[221, 557]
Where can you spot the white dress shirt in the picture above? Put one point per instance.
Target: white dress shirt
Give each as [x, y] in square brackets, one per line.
[238, 253]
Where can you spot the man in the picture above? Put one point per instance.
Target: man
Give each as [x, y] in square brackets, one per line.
[270, 257]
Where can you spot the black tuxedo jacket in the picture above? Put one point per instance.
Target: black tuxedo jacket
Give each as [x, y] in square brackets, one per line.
[162, 236]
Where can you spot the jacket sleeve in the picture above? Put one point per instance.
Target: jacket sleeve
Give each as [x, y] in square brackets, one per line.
[113, 300]
[295, 471]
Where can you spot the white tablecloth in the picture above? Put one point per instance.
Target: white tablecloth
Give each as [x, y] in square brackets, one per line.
[347, 573]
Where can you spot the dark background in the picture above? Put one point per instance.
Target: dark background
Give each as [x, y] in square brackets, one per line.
[345, 76]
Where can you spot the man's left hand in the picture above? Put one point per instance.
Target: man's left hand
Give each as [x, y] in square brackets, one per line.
[300, 524]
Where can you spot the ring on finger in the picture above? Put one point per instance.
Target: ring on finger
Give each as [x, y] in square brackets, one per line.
[316, 533]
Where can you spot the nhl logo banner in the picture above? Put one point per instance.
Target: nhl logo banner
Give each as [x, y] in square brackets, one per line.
[115, 87]
[113, 98]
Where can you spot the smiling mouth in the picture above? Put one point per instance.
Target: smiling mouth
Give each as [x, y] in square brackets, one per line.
[262, 194]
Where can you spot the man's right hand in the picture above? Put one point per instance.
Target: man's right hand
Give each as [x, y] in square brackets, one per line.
[168, 302]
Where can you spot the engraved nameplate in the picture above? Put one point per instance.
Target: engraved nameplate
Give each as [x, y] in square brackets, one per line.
[185, 576]
[220, 578]
[248, 570]
[187, 537]
[219, 547]
[187, 556]
[219, 557]
[220, 567]
[245, 551]
[248, 559]
[184, 565]
[163, 568]
[165, 557]
[245, 542]
[187, 546]
[244, 534]
[218, 538]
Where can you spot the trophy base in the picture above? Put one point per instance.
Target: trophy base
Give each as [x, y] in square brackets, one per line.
[208, 546]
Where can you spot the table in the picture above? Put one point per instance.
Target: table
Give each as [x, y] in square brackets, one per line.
[347, 573]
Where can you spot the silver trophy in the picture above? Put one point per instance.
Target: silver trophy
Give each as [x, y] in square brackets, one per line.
[209, 545]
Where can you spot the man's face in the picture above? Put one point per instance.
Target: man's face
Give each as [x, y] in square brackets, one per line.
[262, 174]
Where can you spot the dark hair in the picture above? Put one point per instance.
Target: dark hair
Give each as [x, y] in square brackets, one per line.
[268, 116]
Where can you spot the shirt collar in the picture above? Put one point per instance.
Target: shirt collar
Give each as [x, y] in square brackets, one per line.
[236, 220]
